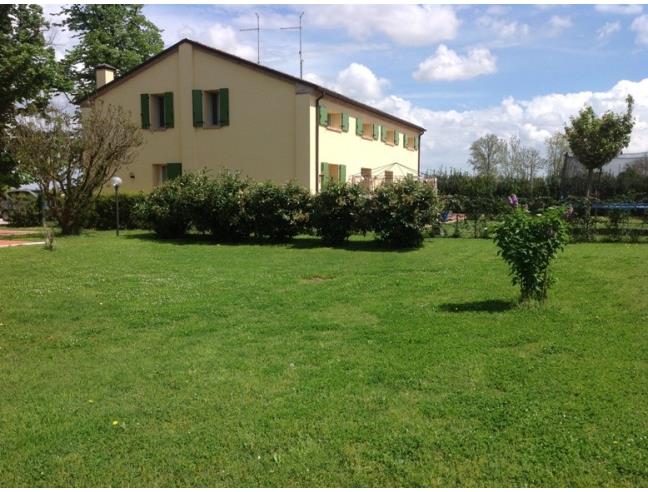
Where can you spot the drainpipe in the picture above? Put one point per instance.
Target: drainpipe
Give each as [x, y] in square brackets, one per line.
[317, 108]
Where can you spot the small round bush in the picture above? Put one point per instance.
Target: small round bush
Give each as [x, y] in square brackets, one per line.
[528, 243]
[278, 212]
[103, 217]
[338, 212]
[400, 212]
[169, 208]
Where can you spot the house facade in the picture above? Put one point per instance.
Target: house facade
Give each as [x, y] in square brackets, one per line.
[199, 107]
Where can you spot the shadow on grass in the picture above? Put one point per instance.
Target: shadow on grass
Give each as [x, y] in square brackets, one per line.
[357, 243]
[488, 306]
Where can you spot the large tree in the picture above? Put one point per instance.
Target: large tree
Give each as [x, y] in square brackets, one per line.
[596, 140]
[28, 75]
[487, 154]
[72, 157]
[119, 35]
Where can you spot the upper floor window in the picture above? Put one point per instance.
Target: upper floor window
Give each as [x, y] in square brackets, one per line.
[157, 110]
[210, 108]
[333, 120]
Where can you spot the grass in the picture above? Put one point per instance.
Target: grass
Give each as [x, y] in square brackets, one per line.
[132, 362]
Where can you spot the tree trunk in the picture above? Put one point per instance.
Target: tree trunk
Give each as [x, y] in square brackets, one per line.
[590, 174]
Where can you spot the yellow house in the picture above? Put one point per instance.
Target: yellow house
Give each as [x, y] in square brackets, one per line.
[203, 108]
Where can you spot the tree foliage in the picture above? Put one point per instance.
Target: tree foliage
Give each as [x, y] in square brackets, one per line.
[72, 157]
[596, 140]
[28, 75]
[487, 154]
[119, 35]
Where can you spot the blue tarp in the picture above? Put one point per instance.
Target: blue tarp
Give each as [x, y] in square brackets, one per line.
[620, 206]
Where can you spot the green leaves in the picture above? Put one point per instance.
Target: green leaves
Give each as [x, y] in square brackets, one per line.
[528, 243]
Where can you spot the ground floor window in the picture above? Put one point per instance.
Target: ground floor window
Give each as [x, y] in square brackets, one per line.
[165, 172]
[332, 173]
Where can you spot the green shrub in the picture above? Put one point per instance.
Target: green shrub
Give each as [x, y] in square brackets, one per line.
[23, 211]
[338, 212]
[399, 212]
[103, 217]
[170, 208]
[221, 208]
[618, 224]
[528, 243]
[278, 212]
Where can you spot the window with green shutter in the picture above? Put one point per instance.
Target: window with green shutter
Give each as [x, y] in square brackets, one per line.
[323, 116]
[376, 131]
[345, 122]
[197, 104]
[383, 133]
[326, 174]
[173, 170]
[168, 110]
[405, 140]
[395, 137]
[342, 173]
[145, 111]
[416, 143]
[359, 127]
[223, 107]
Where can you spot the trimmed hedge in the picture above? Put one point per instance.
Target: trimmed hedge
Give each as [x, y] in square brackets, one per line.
[338, 212]
[102, 216]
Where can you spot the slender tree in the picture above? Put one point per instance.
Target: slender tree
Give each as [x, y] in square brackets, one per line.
[487, 154]
[72, 157]
[119, 35]
[556, 146]
[596, 140]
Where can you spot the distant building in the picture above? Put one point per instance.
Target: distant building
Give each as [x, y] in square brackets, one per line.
[203, 108]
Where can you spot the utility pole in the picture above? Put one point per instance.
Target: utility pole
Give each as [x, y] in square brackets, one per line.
[301, 58]
[258, 30]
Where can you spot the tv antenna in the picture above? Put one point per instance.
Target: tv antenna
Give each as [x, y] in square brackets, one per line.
[301, 58]
[258, 30]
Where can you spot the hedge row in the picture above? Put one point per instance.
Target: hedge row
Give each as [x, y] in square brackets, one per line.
[231, 208]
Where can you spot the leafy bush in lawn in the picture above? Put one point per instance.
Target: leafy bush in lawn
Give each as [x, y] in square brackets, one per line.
[103, 217]
[338, 212]
[170, 208]
[528, 243]
[220, 208]
[23, 211]
[399, 212]
[278, 212]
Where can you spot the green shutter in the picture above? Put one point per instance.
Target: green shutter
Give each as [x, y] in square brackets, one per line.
[168, 109]
[223, 107]
[342, 173]
[326, 174]
[146, 114]
[405, 140]
[395, 137]
[173, 170]
[323, 116]
[197, 101]
[359, 127]
[376, 128]
[383, 133]
[345, 122]
[416, 140]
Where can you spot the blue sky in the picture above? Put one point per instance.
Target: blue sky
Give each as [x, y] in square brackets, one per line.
[460, 70]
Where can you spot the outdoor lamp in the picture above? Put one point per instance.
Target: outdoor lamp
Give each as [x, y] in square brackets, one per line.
[116, 181]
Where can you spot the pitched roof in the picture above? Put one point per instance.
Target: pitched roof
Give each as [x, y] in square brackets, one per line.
[241, 61]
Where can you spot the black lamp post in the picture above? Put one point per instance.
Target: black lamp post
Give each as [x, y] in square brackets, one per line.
[116, 181]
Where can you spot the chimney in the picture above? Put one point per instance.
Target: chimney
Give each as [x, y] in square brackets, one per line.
[104, 74]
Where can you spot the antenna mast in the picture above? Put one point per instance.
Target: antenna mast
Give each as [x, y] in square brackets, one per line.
[301, 58]
[258, 30]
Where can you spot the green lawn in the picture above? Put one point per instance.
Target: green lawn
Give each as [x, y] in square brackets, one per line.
[131, 362]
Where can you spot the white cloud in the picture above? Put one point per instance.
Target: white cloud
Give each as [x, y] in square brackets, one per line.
[502, 28]
[356, 81]
[446, 64]
[225, 38]
[410, 25]
[608, 29]
[558, 23]
[619, 9]
[640, 26]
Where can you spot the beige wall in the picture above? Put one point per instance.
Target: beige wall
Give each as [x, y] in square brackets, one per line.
[356, 152]
[272, 129]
